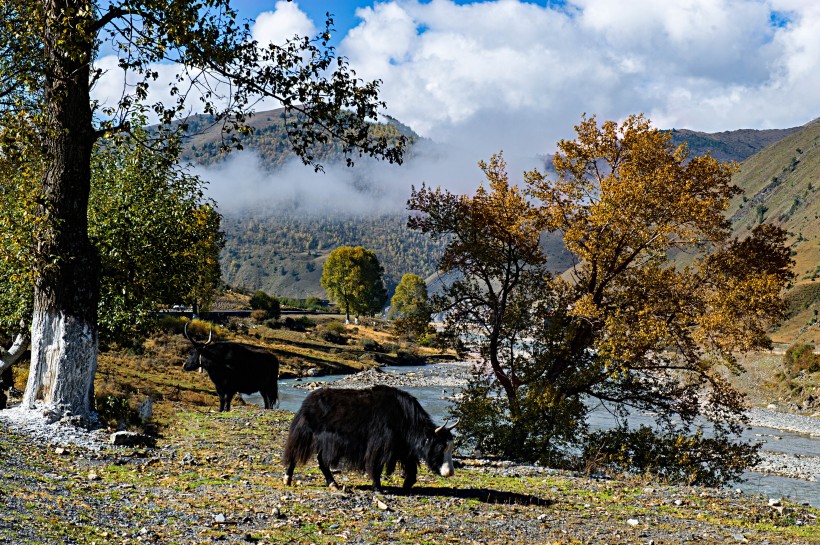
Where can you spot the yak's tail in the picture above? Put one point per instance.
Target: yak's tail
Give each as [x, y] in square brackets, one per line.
[300, 446]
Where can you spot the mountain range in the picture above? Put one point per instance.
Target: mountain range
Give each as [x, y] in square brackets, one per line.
[282, 252]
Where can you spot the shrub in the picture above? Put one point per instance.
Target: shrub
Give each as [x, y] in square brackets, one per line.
[259, 315]
[801, 357]
[302, 323]
[370, 345]
[266, 303]
[333, 332]
[670, 457]
[114, 411]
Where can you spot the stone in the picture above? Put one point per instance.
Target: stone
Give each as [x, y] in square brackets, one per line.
[146, 409]
[131, 439]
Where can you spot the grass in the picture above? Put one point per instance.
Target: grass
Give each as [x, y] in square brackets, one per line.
[216, 478]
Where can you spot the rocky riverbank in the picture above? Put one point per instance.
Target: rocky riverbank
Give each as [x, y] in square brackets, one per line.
[454, 375]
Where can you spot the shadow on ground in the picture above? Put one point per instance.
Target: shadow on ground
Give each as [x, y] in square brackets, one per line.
[483, 495]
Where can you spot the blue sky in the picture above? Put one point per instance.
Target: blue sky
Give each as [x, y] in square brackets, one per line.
[479, 77]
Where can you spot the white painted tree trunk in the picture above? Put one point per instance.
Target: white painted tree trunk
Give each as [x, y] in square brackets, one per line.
[63, 364]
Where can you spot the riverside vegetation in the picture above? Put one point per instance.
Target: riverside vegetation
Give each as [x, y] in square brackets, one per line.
[216, 478]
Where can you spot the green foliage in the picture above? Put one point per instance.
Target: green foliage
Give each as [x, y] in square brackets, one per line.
[158, 239]
[409, 307]
[534, 429]
[115, 411]
[309, 303]
[800, 357]
[371, 345]
[302, 323]
[332, 332]
[670, 457]
[353, 279]
[264, 302]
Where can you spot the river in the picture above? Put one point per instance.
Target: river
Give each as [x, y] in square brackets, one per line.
[436, 399]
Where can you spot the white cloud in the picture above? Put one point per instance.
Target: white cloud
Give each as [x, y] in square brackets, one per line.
[282, 24]
[515, 76]
[277, 26]
[703, 64]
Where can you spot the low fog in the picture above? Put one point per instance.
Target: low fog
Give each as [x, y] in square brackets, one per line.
[241, 185]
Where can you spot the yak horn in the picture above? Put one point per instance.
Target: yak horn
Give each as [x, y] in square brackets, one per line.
[210, 335]
[445, 426]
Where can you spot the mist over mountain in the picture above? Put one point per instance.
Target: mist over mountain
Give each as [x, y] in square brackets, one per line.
[282, 219]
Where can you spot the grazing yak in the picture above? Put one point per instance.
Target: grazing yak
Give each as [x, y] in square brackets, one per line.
[367, 430]
[235, 367]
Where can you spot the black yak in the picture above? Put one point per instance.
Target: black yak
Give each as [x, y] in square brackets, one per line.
[235, 367]
[367, 430]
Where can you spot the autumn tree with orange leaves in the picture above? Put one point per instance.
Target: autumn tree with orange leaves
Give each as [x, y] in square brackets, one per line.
[627, 327]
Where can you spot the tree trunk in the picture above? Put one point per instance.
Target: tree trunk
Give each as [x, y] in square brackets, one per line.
[10, 356]
[64, 326]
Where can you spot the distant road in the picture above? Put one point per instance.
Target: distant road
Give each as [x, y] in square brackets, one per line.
[220, 314]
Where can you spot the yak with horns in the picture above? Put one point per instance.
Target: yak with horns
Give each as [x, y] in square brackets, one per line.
[367, 430]
[236, 367]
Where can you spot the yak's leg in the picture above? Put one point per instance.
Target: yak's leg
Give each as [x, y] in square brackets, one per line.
[410, 473]
[270, 398]
[376, 475]
[325, 468]
[227, 400]
[289, 472]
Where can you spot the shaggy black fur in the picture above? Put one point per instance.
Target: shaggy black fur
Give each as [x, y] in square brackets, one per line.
[366, 430]
[236, 367]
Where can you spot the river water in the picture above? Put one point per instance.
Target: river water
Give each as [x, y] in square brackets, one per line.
[437, 399]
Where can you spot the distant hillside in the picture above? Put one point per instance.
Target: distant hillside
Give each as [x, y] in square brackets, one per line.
[736, 145]
[782, 185]
[283, 254]
[269, 139]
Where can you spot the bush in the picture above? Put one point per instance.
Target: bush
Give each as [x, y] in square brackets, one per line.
[670, 457]
[801, 357]
[370, 345]
[259, 315]
[196, 328]
[264, 302]
[302, 323]
[333, 332]
[540, 434]
[114, 411]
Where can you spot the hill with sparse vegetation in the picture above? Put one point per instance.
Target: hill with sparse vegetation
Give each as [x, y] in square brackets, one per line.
[781, 185]
[737, 145]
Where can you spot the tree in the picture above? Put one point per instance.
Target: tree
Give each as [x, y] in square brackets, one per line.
[157, 237]
[352, 277]
[409, 307]
[497, 284]
[47, 72]
[626, 326]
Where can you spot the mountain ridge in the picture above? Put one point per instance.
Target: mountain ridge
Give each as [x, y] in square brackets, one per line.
[282, 253]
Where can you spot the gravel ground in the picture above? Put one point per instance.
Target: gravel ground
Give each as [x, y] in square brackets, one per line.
[216, 478]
